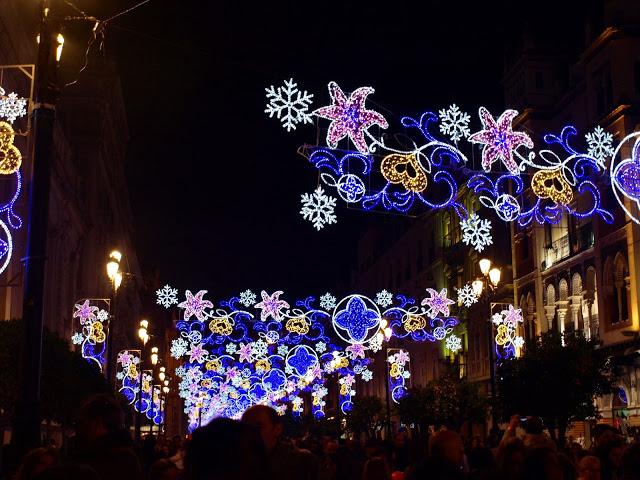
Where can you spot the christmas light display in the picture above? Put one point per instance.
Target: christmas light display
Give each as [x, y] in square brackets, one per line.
[277, 352]
[167, 296]
[476, 232]
[453, 343]
[93, 316]
[398, 361]
[384, 298]
[318, 208]
[466, 295]
[625, 176]
[437, 303]
[10, 156]
[12, 106]
[499, 140]
[507, 340]
[349, 117]
[288, 104]
[409, 173]
[128, 374]
[247, 298]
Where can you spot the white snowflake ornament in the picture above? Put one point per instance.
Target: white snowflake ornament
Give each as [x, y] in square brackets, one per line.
[367, 375]
[453, 343]
[77, 338]
[328, 301]
[288, 104]
[231, 348]
[179, 347]
[600, 144]
[476, 232]
[167, 296]
[518, 342]
[12, 106]
[467, 296]
[318, 208]
[321, 347]
[454, 123]
[102, 315]
[384, 298]
[247, 298]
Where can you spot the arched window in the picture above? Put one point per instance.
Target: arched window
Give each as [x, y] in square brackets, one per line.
[446, 229]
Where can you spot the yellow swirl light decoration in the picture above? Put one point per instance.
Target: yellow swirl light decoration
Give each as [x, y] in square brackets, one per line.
[502, 337]
[414, 323]
[10, 156]
[344, 389]
[395, 370]
[297, 325]
[263, 365]
[221, 326]
[97, 332]
[213, 365]
[405, 170]
[132, 372]
[552, 185]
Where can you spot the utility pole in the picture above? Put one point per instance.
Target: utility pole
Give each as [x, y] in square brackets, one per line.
[26, 431]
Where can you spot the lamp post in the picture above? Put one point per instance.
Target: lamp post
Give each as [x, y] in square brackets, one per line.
[384, 334]
[115, 278]
[489, 284]
[26, 421]
[143, 335]
[165, 392]
[154, 362]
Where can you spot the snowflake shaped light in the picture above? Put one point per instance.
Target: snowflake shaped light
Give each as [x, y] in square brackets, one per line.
[384, 298]
[375, 345]
[271, 305]
[259, 349]
[230, 348]
[321, 347]
[518, 342]
[476, 232]
[179, 347]
[12, 106]
[247, 298]
[600, 144]
[453, 343]
[77, 338]
[454, 123]
[102, 315]
[349, 117]
[367, 375]
[437, 303]
[283, 350]
[499, 140]
[167, 296]
[289, 104]
[328, 301]
[194, 305]
[466, 296]
[318, 208]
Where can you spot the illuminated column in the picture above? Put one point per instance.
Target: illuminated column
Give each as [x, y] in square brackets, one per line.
[562, 313]
[549, 312]
[586, 316]
[576, 303]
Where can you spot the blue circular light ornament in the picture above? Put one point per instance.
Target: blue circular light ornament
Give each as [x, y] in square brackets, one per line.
[356, 319]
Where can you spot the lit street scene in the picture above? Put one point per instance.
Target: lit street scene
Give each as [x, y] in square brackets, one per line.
[339, 240]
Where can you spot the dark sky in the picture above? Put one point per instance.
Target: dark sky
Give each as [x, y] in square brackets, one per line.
[215, 185]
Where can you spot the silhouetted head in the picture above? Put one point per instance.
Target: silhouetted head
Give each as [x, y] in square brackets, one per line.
[267, 421]
[100, 415]
[447, 444]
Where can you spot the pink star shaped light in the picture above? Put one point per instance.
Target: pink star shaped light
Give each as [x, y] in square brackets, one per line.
[349, 116]
[402, 357]
[197, 353]
[194, 305]
[85, 312]
[499, 139]
[245, 352]
[512, 315]
[437, 303]
[271, 305]
[356, 350]
[124, 358]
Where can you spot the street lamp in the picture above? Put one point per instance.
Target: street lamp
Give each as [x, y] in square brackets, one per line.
[161, 374]
[154, 356]
[115, 278]
[143, 335]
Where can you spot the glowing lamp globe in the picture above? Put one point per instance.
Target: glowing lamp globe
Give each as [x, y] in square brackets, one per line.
[477, 286]
[494, 276]
[485, 266]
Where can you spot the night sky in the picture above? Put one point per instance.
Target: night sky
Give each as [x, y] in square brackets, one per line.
[215, 185]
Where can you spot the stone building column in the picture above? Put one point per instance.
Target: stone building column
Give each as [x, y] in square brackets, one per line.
[550, 312]
[562, 313]
[586, 316]
[576, 304]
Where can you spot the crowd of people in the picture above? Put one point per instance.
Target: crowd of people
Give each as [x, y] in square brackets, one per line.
[256, 447]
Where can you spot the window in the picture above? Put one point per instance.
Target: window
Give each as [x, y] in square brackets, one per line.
[603, 90]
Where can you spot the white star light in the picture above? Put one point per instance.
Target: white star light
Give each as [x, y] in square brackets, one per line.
[318, 208]
[476, 232]
[247, 298]
[454, 123]
[453, 343]
[600, 144]
[384, 298]
[328, 301]
[167, 296]
[466, 296]
[288, 104]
